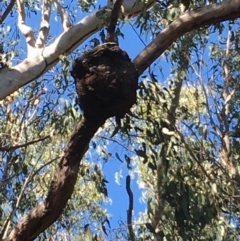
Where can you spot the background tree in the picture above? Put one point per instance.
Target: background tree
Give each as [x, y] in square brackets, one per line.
[180, 140]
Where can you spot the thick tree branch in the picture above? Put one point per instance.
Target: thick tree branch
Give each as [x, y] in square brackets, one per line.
[42, 60]
[33, 67]
[45, 26]
[26, 30]
[64, 17]
[61, 187]
[226, 10]
[7, 11]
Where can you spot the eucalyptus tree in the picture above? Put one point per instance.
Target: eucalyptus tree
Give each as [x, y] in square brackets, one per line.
[194, 190]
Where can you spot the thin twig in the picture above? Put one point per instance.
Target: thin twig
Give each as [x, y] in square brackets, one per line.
[130, 208]
[117, 142]
[40, 168]
[45, 26]
[12, 148]
[7, 11]
[113, 20]
[64, 17]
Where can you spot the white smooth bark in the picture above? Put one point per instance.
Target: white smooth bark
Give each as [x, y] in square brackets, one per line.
[42, 59]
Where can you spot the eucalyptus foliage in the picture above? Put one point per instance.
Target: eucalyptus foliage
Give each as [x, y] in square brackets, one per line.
[180, 143]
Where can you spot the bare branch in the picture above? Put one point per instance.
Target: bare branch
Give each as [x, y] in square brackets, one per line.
[130, 208]
[65, 19]
[45, 26]
[26, 30]
[113, 20]
[36, 65]
[7, 11]
[12, 148]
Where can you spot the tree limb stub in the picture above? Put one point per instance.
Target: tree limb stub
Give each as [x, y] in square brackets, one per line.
[226, 10]
[113, 20]
[61, 187]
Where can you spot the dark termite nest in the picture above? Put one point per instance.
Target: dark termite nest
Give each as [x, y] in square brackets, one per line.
[106, 82]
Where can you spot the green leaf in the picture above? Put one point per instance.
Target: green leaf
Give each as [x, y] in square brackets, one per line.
[140, 153]
[150, 227]
[115, 131]
[118, 157]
